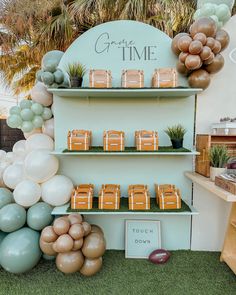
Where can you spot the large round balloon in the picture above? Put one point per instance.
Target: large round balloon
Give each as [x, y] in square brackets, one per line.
[94, 246]
[204, 25]
[223, 37]
[174, 44]
[19, 148]
[199, 79]
[91, 266]
[40, 94]
[27, 193]
[39, 142]
[48, 128]
[39, 216]
[13, 175]
[40, 166]
[19, 251]
[216, 65]
[57, 190]
[6, 197]
[12, 217]
[70, 262]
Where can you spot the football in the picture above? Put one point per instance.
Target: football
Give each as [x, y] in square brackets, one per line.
[159, 256]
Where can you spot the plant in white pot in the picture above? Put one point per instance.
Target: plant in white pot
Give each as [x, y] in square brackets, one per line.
[218, 157]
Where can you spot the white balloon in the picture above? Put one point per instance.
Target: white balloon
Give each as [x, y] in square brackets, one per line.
[2, 155]
[40, 94]
[19, 148]
[40, 166]
[39, 142]
[37, 130]
[57, 191]
[27, 193]
[13, 175]
[19, 159]
[48, 128]
[4, 165]
[10, 157]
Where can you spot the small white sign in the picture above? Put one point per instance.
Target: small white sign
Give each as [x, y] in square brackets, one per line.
[142, 237]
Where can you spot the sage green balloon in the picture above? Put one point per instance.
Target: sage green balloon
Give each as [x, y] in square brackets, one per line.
[58, 76]
[27, 126]
[37, 108]
[50, 65]
[20, 251]
[47, 114]
[39, 75]
[15, 110]
[2, 236]
[25, 104]
[39, 216]
[14, 121]
[53, 54]
[38, 121]
[12, 217]
[6, 197]
[47, 78]
[27, 115]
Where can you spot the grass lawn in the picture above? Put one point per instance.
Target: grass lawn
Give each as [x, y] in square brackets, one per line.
[186, 273]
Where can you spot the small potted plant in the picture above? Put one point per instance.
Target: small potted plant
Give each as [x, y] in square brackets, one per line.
[218, 157]
[176, 134]
[76, 71]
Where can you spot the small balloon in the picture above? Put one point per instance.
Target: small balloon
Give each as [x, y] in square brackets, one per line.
[76, 231]
[14, 121]
[216, 65]
[206, 53]
[48, 128]
[78, 244]
[27, 115]
[40, 94]
[6, 197]
[184, 43]
[174, 44]
[39, 216]
[200, 37]
[27, 193]
[91, 266]
[223, 37]
[61, 226]
[64, 243]
[12, 217]
[47, 78]
[25, 104]
[47, 248]
[217, 47]
[37, 108]
[58, 76]
[70, 262]
[50, 66]
[27, 126]
[209, 60]
[182, 56]
[75, 219]
[15, 110]
[181, 68]
[195, 47]
[199, 79]
[48, 234]
[47, 114]
[87, 228]
[38, 121]
[210, 42]
[193, 62]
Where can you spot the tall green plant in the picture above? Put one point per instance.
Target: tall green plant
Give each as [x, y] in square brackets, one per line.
[176, 132]
[76, 70]
[218, 156]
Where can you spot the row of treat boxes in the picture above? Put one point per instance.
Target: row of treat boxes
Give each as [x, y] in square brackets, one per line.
[81, 140]
[167, 197]
[164, 77]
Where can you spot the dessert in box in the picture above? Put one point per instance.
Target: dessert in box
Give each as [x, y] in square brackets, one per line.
[165, 77]
[132, 79]
[168, 196]
[139, 197]
[113, 140]
[100, 79]
[79, 140]
[229, 186]
[109, 197]
[82, 197]
[146, 140]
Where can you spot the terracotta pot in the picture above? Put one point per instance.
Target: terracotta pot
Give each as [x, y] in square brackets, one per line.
[214, 171]
[76, 82]
[177, 143]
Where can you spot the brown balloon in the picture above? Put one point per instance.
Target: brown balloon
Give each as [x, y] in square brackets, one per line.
[182, 69]
[200, 37]
[210, 42]
[216, 65]
[78, 244]
[77, 231]
[209, 60]
[48, 235]
[206, 53]
[217, 47]
[205, 25]
[182, 56]
[195, 47]
[47, 248]
[64, 243]
[223, 37]
[199, 79]
[193, 62]
[184, 43]
[94, 245]
[75, 218]
[174, 44]
[91, 266]
[54, 246]
[70, 262]
[87, 228]
[61, 226]
[96, 229]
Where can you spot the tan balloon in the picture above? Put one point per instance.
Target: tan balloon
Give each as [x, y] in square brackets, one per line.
[195, 47]
[205, 25]
[184, 43]
[87, 228]
[78, 244]
[206, 53]
[210, 42]
[47, 248]
[182, 56]
[216, 65]
[75, 218]
[91, 266]
[96, 229]
[223, 37]
[181, 68]
[193, 62]
[76, 231]
[209, 60]
[54, 246]
[174, 44]
[64, 243]
[48, 235]
[200, 37]
[61, 226]
[199, 79]
[217, 47]
[70, 262]
[94, 245]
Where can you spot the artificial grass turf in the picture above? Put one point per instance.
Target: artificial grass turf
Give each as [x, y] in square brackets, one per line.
[186, 273]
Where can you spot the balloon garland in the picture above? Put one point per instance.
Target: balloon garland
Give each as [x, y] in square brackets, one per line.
[199, 51]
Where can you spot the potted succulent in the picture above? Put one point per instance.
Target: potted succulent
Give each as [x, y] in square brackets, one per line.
[176, 134]
[218, 157]
[76, 72]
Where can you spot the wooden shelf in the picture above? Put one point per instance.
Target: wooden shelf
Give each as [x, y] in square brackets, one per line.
[233, 223]
[125, 93]
[210, 186]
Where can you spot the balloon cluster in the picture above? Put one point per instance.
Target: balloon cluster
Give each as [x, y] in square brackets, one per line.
[219, 13]
[77, 245]
[50, 74]
[199, 51]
